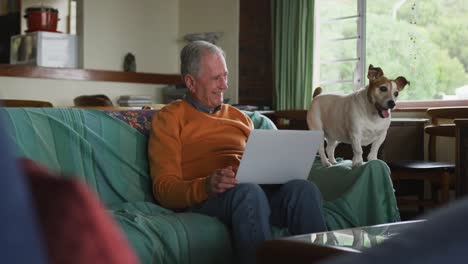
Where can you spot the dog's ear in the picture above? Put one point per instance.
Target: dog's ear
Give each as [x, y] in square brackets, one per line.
[374, 73]
[401, 82]
[317, 91]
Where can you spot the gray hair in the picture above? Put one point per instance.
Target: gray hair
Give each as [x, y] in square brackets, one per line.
[191, 54]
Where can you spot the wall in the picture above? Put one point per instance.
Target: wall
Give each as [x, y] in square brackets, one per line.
[215, 16]
[151, 29]
[147, 28]
[112, 28]
[61, 93]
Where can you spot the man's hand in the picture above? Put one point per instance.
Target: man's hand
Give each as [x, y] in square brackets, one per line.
[221, 180]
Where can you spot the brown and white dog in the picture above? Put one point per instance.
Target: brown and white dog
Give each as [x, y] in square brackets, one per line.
[360, 118]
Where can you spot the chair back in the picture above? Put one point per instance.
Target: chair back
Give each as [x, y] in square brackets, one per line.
[445, 129]
[290, 119]
[93, 100]
[24, 103]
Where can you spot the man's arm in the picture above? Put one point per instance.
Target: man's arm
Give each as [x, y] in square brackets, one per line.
[165, 157]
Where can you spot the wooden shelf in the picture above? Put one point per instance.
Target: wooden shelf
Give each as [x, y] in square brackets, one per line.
[28, 71]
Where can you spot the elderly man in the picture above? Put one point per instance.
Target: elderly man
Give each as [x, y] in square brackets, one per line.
[195, 148]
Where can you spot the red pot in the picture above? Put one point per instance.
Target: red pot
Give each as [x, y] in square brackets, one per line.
[41, 19]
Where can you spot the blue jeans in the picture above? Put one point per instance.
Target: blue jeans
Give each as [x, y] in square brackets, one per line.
[249, 210]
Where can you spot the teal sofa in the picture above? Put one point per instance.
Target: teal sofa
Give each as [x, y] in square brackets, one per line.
[108, 151]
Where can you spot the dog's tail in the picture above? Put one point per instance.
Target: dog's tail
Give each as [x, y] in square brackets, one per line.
[317, 91]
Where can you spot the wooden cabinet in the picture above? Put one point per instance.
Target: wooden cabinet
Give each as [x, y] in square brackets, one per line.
[405, 140]
[461, 157]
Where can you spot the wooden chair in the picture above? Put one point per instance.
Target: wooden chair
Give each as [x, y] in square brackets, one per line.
[440, 174]
[24, 103]
[289, 119]
[93, 100]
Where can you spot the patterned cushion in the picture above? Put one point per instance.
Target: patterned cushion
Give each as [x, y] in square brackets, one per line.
[138, 119]
[141, 119]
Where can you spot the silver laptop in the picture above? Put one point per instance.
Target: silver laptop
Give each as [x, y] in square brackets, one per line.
[278, 156]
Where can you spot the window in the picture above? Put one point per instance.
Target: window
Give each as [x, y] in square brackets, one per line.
[339, 45]
[424, 40]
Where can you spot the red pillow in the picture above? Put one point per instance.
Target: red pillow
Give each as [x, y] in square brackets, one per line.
[76, 227]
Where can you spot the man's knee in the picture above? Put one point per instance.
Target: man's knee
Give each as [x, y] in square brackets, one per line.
[248, 192]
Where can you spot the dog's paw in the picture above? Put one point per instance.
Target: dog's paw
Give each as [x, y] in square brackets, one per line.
[372, 157]
[357, 163]
[325, 163]
[333, 160]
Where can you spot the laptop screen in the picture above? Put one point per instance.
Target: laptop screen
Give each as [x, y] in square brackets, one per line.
[278, 156]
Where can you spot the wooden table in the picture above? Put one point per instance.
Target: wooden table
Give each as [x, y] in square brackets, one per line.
[312, 248]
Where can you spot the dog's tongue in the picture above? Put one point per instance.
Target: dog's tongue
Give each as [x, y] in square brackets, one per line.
[385, 113]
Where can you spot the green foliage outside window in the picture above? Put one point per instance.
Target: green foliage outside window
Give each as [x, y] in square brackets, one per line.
[427, 42]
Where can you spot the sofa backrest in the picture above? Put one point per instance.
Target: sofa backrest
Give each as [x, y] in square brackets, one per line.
[141, 119]
[108, 154]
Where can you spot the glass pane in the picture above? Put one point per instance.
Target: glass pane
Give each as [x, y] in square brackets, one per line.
[330, 9]
[330, 49]
[335, 50]
[338, 29]
[338, 88]
[425, 41]
[336, 72]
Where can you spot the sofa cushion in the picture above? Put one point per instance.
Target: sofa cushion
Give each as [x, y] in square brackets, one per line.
[162, 236]
[140, 119]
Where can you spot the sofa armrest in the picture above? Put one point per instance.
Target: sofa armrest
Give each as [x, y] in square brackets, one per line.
[259, 120]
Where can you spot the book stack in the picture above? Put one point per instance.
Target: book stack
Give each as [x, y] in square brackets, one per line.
[134, 100]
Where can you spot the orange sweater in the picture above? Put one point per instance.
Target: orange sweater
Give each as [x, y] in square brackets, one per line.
[186, 146]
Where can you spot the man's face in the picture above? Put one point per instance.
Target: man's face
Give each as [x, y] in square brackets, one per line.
[209, 86]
